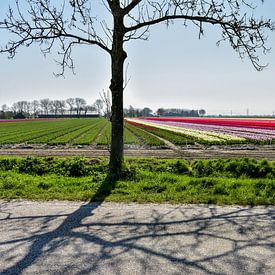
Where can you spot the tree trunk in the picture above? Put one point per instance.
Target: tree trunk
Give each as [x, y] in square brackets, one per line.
[118, 57]
[116, 155]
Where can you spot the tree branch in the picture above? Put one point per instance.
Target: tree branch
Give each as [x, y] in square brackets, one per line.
[45, 24]
[245, 34]
[131, 6]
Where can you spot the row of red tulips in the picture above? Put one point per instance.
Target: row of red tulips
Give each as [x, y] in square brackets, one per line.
[248, 123]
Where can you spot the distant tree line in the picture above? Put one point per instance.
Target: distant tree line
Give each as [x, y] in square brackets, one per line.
[78, 107]
[135, 112]
[180, 112]
[74, 107]
[145, 112]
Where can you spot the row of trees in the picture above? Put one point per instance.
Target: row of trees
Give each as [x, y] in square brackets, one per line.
[79, 107]
[145, 112]
[136, 112]
[71, 106]
[181, 112]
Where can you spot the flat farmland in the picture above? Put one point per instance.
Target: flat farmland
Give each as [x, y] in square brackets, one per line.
[52, 132]
[209, 131]
[190, 138]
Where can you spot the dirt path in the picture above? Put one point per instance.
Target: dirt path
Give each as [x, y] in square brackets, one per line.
[191, 152]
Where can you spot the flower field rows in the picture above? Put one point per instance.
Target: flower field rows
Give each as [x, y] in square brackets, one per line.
[216, 132]
[237, 122]
[242, 132]
[142, 131]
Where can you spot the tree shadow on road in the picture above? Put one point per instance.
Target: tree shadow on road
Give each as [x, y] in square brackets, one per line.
[72, 220]
[129, 238]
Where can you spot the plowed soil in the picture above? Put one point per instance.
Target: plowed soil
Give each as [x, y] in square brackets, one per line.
[186, 152]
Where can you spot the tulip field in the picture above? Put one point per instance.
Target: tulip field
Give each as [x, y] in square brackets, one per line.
[152, 131]
[209, 130]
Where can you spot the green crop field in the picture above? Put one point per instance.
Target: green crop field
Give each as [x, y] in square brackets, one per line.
[97, 131]
[70, 132]
[52, 132]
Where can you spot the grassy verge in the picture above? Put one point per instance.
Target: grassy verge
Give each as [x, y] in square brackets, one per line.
[145, 180]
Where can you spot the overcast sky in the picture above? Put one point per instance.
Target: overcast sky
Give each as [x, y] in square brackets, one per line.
[174, 69]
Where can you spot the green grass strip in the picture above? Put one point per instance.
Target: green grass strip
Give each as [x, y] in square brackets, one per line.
[144, 187]
[144, 180]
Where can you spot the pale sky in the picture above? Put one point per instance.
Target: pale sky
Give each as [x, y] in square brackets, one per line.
[174, 69]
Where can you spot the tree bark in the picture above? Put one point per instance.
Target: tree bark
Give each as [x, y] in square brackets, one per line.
[118, 57]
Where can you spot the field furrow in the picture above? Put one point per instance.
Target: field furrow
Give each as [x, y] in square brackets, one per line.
[105, 139]
[144, 136]
[89, 136]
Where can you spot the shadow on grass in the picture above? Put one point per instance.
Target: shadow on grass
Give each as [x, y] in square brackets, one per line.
[142, 239]
[104, 190]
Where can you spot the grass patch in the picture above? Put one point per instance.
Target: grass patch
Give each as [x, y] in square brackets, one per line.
[144, 180]
[49, 187]
[153, 187]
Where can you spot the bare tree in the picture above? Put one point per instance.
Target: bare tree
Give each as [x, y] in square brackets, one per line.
[45, 105]
[91, 108]
[98, 106]
[23, 107]
[88, 108]
[58, 107]
[106, 99]
[56, 104]
[71, 104]
[34, 107]
[20, 109]
[4, 108]
[14, 108]
[80, 103]
[73, 22]
[62, 106]
[28, 109]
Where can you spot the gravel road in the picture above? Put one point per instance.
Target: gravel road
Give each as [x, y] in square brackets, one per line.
[109, 238]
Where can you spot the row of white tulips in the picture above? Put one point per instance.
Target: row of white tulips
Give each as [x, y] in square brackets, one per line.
[204, 135]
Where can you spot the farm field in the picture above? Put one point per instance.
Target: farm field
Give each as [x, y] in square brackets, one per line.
[209, 131]
[189, 138]
[165, 162]
[69, 132]
[48, 131]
